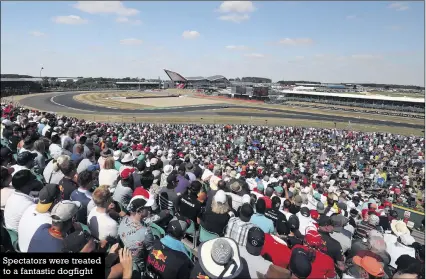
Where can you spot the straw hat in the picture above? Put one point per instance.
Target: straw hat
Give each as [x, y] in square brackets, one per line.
[399, 227]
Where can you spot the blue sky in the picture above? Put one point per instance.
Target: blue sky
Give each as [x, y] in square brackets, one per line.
[323, 41]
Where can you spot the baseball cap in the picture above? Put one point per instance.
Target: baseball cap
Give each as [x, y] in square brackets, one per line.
[370, 264]
[298, 200]
[338, 222]
[65, 210]
[305, 212]
[139, 201]
[126, 172]
[324, 221]
[25, 157]
[47, 196]
[255, 241]
[320, 208]
[178, 226]
[220, 196]
[314, 214]
[293, 222]
[300, 263]
[313, 238]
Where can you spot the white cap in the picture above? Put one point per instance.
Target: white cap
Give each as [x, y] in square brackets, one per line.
[220, 196]
[407, 239]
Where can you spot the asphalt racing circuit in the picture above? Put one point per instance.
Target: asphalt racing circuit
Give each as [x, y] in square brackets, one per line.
[64, 102]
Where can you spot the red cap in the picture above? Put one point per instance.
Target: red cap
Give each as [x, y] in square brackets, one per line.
[243, 173]
[146, 150]
[140, 191]
[211, 166]
[314, 214]
[139, 147]
[313, 238]
[125, 173]
[114, 139]
[180, 154]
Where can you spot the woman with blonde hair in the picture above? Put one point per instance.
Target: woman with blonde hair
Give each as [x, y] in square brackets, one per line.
[217, 216]
[109, 175]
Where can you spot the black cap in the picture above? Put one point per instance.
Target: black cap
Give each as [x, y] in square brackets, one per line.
[48, 195]
[25, 157]
[171, 178]
[283, 227]
[300, 263]
[324, 221]
[293, 222]
[305, 212]
[246, 211]
[255, 241]
[178, 226]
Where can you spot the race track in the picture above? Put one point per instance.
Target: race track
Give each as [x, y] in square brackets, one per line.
[65, 103]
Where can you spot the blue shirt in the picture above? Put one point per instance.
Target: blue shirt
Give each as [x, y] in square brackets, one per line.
[43, 242]
[264, 223]
[84, 198]
[40, 128]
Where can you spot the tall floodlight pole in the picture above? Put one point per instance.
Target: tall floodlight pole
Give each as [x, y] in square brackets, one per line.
[140, 84]
[41, 70]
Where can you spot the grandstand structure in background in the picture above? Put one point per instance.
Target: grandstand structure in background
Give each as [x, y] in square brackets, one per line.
[405, 104]
[178, 80]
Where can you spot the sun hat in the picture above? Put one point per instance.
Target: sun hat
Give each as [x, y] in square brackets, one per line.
[369, 264]
[220, 258]
[117, 155]
[127, 158]
[168, 169]
[399, 228]
[106, 152]
[236, 187]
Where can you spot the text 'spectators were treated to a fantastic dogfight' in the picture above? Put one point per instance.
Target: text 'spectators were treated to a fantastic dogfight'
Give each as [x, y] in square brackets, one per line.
[55, 265]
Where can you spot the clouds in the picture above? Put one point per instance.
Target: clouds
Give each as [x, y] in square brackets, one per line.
[37, 34]
[295, 41]
[190, 34]
[123, 19]
[351, 17]
[71, 19]
[254, 55]
[130, 42]
[398, 6]
[236, 11]
[241, 47]
[105, 7]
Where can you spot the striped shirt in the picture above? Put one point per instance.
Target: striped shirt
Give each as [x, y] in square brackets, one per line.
[237, 229]
[362, 230]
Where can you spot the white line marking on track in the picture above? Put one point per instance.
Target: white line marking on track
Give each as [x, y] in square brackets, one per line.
[58, 104]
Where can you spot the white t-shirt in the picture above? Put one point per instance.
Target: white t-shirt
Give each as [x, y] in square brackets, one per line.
[50, 176]
[55, 150]
[15, 207]
[31, 220]
[108, 177]
[101, 225]
[17, 168]
[5, 193]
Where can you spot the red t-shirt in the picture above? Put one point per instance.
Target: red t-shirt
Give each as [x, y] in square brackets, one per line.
[322, 266]
[268, 202]
[279, 252]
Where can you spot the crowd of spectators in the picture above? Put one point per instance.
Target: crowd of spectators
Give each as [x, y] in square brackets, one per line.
[211, 201]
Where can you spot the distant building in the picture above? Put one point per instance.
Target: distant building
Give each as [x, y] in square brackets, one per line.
[218, 81]
[65, 79]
